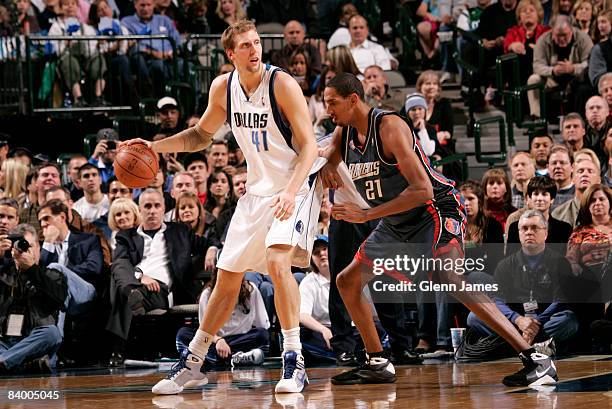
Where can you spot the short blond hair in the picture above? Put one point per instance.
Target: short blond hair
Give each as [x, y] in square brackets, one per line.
[589, 153]
[121, 205]
[535, 3]
[425, 75]
[239, 27]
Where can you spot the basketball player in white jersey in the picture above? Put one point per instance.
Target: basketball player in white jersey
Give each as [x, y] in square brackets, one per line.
[274, 221]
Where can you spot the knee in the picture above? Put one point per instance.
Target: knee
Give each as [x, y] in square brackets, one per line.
[424, 28]
[278, 267]
[52, 335]
[534, 79]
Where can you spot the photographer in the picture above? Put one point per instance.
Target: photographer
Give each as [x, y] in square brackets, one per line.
[30, 300]
[104, 154]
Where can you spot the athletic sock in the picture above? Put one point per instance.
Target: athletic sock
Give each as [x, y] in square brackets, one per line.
[291, 339]
[200, 343]
[376, 358]
[526, 356]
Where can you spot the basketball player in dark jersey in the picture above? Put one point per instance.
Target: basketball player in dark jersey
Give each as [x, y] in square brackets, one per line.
[416, 205]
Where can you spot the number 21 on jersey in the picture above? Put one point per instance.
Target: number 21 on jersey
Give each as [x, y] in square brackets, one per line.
[373, 189]
[260, 137]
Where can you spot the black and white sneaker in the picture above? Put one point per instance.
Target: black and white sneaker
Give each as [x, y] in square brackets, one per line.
[375, 370]
[539, 369]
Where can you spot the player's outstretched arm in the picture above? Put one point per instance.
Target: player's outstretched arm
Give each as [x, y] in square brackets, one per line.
[293, 106]
[199, 136]
[397, 143]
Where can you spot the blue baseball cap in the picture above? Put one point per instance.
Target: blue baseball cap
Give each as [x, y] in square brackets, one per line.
[321, 238]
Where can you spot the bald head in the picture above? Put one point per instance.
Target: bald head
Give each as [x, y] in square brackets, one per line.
[358, 28]
[294, 33]
[596, 111]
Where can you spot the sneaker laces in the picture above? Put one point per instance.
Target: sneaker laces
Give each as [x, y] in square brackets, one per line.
[178, 367]
[289, 367]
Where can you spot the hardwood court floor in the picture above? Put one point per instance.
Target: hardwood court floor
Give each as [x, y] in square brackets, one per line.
[586, 382]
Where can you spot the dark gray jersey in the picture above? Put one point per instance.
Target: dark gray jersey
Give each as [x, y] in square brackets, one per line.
[378, 179]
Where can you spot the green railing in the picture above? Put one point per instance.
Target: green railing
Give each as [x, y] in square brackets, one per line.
[487, 157]
[12, 86]
[44, 76]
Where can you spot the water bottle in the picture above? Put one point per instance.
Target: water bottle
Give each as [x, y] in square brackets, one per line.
[67, 100]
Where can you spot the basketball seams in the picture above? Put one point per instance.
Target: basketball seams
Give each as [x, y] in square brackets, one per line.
[138, 156]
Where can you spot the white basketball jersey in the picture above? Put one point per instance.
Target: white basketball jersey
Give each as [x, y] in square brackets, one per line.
[263, 135]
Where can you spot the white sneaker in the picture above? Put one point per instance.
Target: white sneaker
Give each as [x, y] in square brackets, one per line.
[293, 375]
[252, 357]
[185, 370]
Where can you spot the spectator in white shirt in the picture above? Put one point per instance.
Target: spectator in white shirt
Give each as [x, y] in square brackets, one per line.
[364, 51]
[95, 203]
[244, 339]
[342, 36]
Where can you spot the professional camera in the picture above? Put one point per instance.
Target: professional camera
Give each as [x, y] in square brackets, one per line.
[19, 242]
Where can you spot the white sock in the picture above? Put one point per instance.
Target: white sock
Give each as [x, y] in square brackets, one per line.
[200, 343]
[291, 339]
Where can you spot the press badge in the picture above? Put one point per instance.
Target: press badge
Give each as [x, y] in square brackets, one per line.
[14, 325]
[530, 307]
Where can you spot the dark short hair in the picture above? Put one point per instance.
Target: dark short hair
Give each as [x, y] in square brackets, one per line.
[56, 206]
[540, 135]
[58, 189]
[10, 203]
[194, 157]
[46, 165]
[346, 84]
[88, 166]
[541, 184]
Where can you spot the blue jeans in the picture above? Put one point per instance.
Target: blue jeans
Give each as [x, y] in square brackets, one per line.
[561, 326]
[266, 288]
[446, 53]
[44, 340]
[433, 317]
[80, 294]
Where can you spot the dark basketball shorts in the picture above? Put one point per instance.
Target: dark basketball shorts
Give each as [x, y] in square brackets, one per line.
[436, 232]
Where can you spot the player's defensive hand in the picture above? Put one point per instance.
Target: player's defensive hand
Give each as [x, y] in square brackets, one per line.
[350, 213]
[330, 176]
[283, 204]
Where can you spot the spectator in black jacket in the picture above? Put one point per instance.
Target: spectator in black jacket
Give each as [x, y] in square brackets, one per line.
[541, 193]
[30, 299]
[529, 288]
[152, 268]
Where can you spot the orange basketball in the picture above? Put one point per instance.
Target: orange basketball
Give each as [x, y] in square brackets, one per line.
[136, 165]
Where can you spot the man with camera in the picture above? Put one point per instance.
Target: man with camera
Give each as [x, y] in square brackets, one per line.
[30, 299]
[104, 153]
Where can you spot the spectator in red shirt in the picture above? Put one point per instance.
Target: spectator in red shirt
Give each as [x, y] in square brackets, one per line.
[521, 38]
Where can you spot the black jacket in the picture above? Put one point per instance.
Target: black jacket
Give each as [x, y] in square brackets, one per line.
[181, 244]
[38, 293]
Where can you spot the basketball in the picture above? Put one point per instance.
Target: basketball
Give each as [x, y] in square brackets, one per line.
[136, 165]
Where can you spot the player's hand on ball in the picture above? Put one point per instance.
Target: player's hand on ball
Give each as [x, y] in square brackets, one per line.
[134, 141]
[350, 213]
[283, 204]
[223, 350]
[330, 177]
